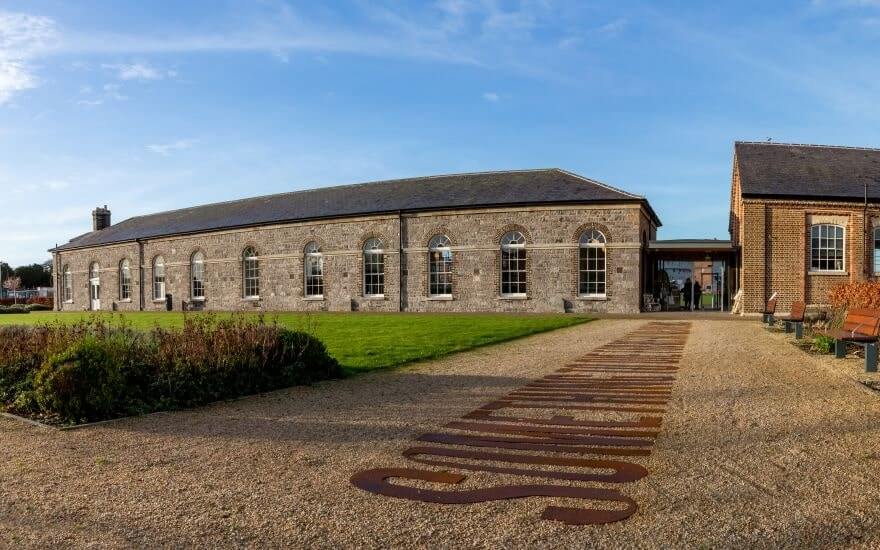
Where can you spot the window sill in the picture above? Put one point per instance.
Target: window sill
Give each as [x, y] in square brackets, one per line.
[202, 299]
[157, 301]
[832, 273]
[313, 298]
[125, 301]
[68, 301]
[251, 299]
[440, 298]
[593, 298]
[375, 297]
[514, 297]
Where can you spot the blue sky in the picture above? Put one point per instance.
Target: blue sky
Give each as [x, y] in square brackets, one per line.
[159, 105]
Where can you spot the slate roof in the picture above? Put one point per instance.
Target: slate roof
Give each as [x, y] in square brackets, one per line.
[508, 188]
[790, 170]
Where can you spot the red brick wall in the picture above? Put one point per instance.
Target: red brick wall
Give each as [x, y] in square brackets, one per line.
[775, 238]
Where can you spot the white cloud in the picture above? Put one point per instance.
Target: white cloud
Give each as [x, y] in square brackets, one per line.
[491, 97]
[112, 92]
[21, 37]
[138, 71]
[166, 149]
[614, 27]
[15, 76]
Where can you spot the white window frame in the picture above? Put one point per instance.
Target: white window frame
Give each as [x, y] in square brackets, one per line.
[67, 284]
[250, 274]
[592, 243]
[373, 281]
[158, 279]
[313, 271]
[876, 236]
[440, 266]
[513, 249]
[820, 249]
[125, 280]
[197, 276]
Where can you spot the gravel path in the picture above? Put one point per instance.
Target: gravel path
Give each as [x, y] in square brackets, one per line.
[762, 446]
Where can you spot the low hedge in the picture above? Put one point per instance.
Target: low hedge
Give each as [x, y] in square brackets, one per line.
[18, 308]
[97, 369]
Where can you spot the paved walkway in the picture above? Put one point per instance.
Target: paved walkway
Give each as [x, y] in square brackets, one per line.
[760, 446]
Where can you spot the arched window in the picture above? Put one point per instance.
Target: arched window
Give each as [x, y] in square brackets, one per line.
[591, 264]
[439, 267]
[158, 278]
[314, 271]
[826, 248]
[374, 268]
[250, 268]
[197, 276]
[67, 284]
[124, 280]
[877, 251]
[513, 264]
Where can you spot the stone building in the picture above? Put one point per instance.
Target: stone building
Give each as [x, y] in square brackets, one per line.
[805, 218]
[517, 241]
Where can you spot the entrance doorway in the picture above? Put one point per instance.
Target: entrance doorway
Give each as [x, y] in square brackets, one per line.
[691, 275]
[95, 287]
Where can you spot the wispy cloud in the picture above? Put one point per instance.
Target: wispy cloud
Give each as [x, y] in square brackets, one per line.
[166, 149]
[21, 36]
[491, 97]
[615, 27]
[138, 71]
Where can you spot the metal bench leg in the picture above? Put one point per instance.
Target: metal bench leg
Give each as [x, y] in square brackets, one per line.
[771, 320]
[839, 349]
[765, 318]
[798, 330]
[870, 357]
[787, 326]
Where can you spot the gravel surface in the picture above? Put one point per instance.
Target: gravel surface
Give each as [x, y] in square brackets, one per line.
[762, 446]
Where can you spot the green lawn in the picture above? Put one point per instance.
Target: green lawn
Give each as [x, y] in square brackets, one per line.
[367, 341]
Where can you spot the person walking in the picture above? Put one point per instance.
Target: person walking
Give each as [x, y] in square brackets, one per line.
[686, 290]
[698, 295]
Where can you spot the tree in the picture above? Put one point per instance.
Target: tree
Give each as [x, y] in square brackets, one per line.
[33, 275]
[12, 284]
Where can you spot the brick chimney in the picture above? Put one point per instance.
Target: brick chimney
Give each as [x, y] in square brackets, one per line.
[100, 218]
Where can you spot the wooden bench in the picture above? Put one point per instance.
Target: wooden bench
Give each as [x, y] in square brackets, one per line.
[770, 309]
[795, 319]
[862, 327]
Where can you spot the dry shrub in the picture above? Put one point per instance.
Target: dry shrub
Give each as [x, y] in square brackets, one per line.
[857, 294]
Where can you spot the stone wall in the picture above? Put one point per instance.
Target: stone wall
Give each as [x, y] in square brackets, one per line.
[551, 232]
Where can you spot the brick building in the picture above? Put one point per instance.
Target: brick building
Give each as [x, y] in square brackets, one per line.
[519, 241]
[805, 218]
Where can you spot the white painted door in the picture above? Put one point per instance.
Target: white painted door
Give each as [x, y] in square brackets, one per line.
[95, 294]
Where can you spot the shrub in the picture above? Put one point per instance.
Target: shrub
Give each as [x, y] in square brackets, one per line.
[823, 344]
[99, 369]
[37, 307]
[7, 310]
[856, 294]
[85, 382]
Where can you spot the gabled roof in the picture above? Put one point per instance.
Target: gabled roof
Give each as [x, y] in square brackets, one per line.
[508, 188]
[790, 170]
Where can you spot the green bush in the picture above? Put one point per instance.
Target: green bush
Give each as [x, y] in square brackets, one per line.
[823, 344]
[38, 307]
[95, 370]
[85, 382]
[13, 309]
